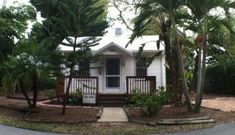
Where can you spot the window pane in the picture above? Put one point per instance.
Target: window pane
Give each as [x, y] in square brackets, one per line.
[113, 82]
[141, 67]
[112, 66]
[84, 68]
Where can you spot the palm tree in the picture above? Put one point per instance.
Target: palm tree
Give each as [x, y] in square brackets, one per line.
[165, 11]
[206, 24]
[171, 17]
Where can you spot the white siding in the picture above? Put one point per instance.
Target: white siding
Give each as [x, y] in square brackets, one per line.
[98, 73]
[128, 69]
[157, 69]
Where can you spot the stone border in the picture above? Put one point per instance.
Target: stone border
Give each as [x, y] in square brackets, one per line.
[185, 121]
[23, 98]
[100, 113]
[45, 103]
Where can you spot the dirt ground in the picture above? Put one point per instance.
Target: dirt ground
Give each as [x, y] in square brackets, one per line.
[73, 115]
[16, 108]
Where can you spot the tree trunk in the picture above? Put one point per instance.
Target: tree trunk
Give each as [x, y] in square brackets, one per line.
[66, 94]
[201, 77]
[69, 83]
[199, 81]
[193, 85]
[172, 66]
[25, 93]
[35, 88]
[203, 66]
[174, 41]
[183, 80]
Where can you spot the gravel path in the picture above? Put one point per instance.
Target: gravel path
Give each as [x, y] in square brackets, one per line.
[225, 104]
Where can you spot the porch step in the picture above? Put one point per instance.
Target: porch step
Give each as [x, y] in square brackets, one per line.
[111, 103]
[112, 100]
[111, 97]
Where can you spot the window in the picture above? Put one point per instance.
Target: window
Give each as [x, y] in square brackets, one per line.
[141, 67]
[112, 72]
[84, 68]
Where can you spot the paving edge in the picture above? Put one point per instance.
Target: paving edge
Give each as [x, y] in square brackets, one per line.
[99, 113]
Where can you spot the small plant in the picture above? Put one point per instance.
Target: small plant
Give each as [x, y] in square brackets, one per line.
[51, 95]
[150, 104]
[75, 98]
[136, 99]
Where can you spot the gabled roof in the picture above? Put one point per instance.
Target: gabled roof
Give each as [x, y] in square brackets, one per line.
[112, 44]
[121, 42]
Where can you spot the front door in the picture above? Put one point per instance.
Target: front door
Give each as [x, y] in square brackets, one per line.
[112, 75]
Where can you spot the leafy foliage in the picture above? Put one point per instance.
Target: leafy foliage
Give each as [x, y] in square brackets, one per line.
[151, 103]
[67, 21]
[13, 25]
[220, 78]
[75, 98]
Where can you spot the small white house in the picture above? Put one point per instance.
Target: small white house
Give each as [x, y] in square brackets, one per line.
[120, 71]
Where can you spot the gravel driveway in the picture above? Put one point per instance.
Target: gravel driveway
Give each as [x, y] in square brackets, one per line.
[225, 104]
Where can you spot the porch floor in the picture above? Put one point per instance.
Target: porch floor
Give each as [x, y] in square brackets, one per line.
[113, 114]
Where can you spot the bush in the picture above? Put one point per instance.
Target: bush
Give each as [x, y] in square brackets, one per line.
[75, 98]
[48, 83]
[150, 104]
[220, 79]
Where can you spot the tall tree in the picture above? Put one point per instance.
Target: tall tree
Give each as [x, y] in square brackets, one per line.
[175, 16]
[13, 25]
[71, 19]
[26, 67]
[207, 23]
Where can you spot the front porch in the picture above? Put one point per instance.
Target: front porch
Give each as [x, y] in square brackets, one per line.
[90, 86]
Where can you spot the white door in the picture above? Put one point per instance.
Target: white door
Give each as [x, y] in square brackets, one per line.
[112, 75]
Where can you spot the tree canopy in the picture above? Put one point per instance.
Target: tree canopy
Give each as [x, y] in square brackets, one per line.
[176, 20]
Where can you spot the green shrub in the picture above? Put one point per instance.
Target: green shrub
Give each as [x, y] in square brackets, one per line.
[136, 99]
[75, 98]
[47, 83]
[220, 79]
[150, 104]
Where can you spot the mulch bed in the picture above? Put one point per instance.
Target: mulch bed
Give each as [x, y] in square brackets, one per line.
[171, 112]
[73, 115]
[17, 109]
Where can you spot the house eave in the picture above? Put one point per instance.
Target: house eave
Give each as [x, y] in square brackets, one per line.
[112, 44]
